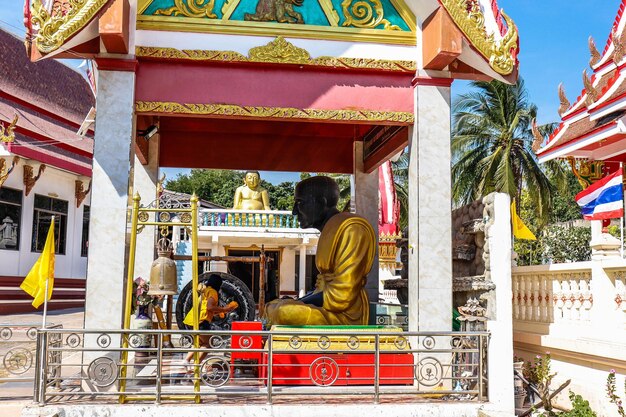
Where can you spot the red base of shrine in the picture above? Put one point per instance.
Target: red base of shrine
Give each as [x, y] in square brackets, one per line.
[338, 369]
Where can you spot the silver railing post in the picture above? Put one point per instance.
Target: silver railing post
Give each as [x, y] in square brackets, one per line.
[159, 367]
[270, 360]
[377, 369]
[42, 369]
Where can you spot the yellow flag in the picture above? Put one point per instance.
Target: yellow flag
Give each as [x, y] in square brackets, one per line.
[520, 230]
[43, 270]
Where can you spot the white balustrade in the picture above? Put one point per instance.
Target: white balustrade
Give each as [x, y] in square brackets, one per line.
[281, 219]
[548, 296]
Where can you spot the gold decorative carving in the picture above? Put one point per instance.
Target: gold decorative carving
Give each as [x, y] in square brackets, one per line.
[586, 172]
[537, 135]
[30, 179]
[279, 51]
[160, 186]
[368, 14]
[273, 112]
[618, 47]
[231, 56]
[6, 171]
[56, 26]
[387, 249]
[7, 134]
[595, 54]
[565, 104]
[80, 193]
[500, 53]
[590, 90]
[190, 8]
[280, 11]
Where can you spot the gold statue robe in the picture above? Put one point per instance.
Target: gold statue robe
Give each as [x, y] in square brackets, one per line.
[345, 253]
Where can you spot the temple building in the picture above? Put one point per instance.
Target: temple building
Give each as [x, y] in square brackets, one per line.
[576, 311]
[45, 170]
[335, 86]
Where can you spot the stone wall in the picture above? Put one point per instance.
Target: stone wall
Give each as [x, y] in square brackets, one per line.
[468, 240]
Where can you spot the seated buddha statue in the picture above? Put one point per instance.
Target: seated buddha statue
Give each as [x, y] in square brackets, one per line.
[251, 196]
[345, 253]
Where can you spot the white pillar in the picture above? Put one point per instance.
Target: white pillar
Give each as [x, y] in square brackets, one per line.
[109, 200]
[430, 212]
[302, 270]
[366, 205]
[145, 183]
[500, 322]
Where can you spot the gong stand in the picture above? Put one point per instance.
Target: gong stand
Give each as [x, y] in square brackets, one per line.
[261, 259]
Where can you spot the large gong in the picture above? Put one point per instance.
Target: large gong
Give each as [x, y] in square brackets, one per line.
[233, 289]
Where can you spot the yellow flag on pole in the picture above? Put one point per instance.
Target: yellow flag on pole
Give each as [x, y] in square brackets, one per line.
[520, 230]
[43, 270]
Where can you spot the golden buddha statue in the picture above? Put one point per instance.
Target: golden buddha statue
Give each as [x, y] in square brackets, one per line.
[345, 253]
[251, 196]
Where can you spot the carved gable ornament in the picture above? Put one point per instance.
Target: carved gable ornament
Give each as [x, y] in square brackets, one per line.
[380, 21]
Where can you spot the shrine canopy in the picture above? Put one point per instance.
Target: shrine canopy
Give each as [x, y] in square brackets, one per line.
[286, 85]
[593, 127]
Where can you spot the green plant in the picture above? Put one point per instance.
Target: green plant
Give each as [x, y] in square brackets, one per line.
[611, 392]
[580, 407]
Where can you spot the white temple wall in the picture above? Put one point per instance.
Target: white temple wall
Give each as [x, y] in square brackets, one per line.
[287, 270]
[59, 185]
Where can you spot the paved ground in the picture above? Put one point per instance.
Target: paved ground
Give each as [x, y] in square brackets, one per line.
[16, 390]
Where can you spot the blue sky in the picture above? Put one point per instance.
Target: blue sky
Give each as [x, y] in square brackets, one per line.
[553, 48]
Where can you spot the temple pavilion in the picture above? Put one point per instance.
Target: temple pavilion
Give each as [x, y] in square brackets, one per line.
[336, 86]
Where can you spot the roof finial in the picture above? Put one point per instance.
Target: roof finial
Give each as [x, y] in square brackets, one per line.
[537, 135]
[592, 93]
[565, 104]
[595, 55]
[618, 46]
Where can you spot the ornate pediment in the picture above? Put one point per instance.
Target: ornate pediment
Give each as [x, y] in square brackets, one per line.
[381, 21]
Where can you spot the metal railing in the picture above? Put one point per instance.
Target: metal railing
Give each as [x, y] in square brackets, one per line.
[258, 366]
[17, 351]
[275, 219]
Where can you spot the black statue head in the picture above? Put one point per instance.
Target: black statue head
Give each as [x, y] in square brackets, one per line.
[316, 201]
[214, 281]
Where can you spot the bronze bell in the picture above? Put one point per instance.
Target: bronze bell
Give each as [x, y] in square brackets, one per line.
[163, 279]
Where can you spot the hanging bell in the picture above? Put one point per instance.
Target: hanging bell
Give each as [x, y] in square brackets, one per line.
[163, 277]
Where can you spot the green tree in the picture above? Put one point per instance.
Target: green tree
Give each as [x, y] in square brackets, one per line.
[218, 186]
[215, 185]
[492, 146]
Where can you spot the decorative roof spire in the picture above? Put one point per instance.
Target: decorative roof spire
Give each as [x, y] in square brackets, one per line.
[565, 104]
[537, 135]
[592, 93]
[595, 54]
[618, 46]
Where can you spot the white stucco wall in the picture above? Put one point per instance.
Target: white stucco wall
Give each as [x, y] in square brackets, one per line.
[60, 185]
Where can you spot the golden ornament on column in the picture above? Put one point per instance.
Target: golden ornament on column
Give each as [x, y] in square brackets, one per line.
[163, 277]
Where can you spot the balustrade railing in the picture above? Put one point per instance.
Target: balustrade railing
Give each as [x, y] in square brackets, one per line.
[280, 219]
[259, 365]
[552, 296]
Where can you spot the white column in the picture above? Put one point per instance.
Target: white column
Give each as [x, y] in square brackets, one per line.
[145, 183]
[500, 321]
[302, 270]
[109, 200]
[430, 212]
[366, 205]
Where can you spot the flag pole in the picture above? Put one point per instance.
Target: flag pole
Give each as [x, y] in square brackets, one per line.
[45, 298]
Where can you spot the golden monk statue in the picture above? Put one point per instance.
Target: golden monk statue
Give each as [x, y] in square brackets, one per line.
[345, 253]
[251, 196]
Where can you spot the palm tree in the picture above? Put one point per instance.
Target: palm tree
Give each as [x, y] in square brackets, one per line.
[492, 146]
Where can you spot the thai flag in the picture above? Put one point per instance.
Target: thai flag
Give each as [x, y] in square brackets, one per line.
[603, 199]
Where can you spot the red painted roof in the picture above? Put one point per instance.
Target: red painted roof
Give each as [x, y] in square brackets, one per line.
[51, 100]
[603, 82]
